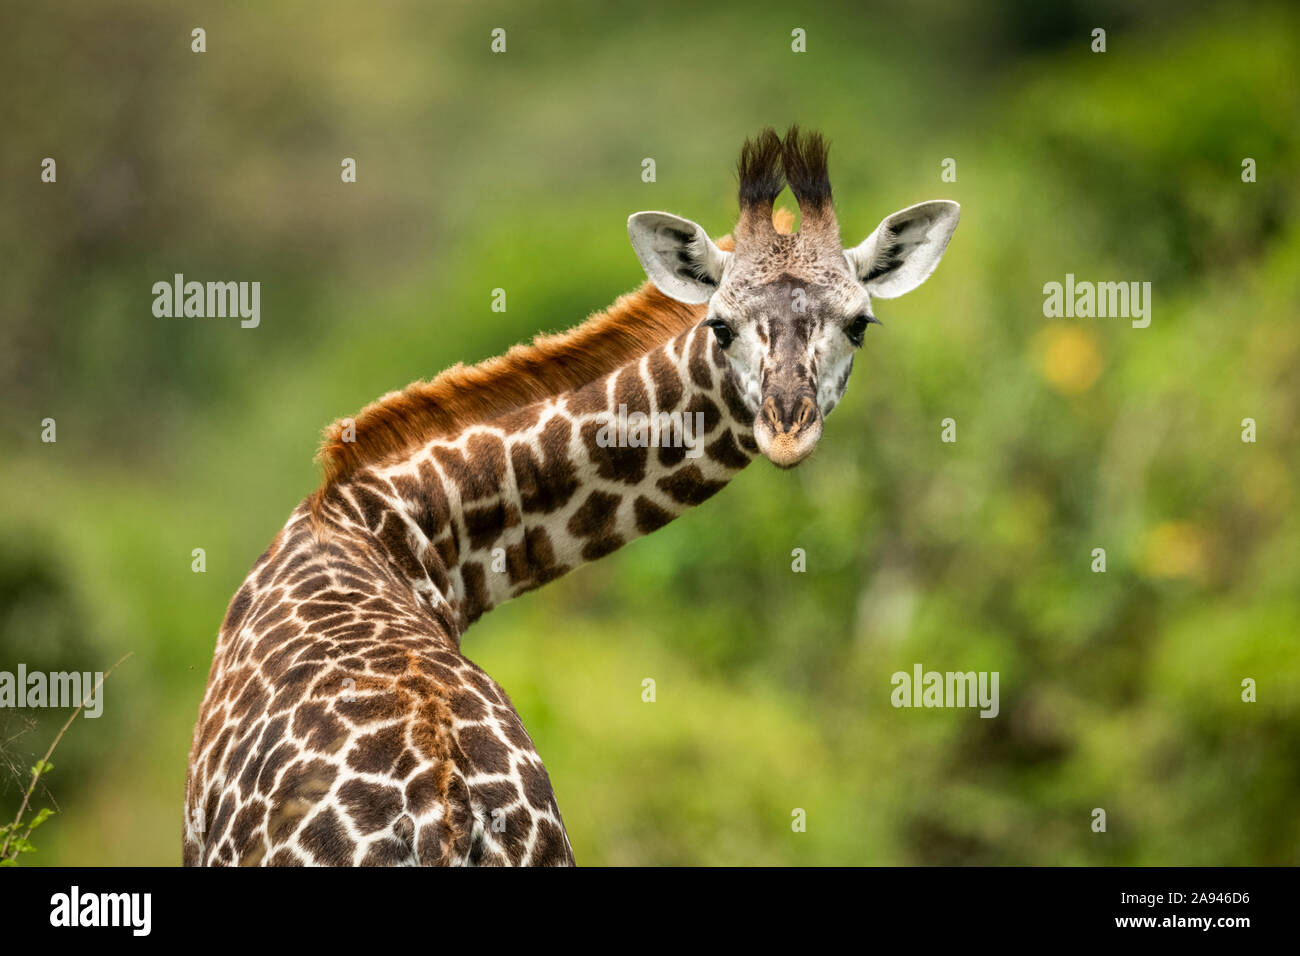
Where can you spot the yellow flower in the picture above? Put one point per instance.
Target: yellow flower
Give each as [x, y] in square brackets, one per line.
[1174, 549]
[1068, 357]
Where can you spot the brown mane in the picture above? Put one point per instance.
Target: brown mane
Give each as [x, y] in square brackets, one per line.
[553, 364]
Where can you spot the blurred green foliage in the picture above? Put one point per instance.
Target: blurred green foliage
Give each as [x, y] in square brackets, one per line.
[1119, 690]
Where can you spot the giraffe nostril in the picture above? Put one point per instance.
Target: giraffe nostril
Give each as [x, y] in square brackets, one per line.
[787, 418]
[772, 414]
[806, 409]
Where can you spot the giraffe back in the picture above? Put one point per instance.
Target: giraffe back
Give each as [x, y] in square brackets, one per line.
[342, 726]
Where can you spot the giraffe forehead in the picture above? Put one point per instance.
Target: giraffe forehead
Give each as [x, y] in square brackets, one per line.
[801, 299]
[816, 259]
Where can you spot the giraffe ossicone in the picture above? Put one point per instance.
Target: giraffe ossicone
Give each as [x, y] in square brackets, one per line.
[341, 724]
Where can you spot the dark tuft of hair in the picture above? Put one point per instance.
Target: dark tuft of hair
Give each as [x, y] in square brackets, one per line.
[760, 169]
[804, 157]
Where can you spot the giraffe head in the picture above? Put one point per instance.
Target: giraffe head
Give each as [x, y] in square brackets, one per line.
[790, 311]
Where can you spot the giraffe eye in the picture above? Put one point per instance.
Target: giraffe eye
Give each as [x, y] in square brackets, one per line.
[856, 329]
[722, 331]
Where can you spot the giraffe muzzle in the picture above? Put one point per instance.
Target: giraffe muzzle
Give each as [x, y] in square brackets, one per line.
[787, 430]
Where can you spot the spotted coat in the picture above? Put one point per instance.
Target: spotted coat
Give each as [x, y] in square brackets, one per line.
[342, 725]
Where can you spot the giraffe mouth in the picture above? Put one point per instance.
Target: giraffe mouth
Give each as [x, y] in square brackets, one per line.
[786, 441]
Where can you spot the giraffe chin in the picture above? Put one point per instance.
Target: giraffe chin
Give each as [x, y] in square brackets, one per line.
[787, 449]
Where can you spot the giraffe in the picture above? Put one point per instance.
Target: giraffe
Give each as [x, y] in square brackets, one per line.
[341, 724]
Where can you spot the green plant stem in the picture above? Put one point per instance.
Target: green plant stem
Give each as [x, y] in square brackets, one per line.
[40, 765]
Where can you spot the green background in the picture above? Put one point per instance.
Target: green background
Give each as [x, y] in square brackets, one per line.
[1119, 690]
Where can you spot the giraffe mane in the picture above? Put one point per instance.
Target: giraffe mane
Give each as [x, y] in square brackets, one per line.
[550, 365]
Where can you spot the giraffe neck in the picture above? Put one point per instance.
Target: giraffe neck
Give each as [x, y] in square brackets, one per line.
[476, 518]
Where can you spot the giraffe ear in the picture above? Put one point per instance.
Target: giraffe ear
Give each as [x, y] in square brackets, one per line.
[677, 255]
[905, 248]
